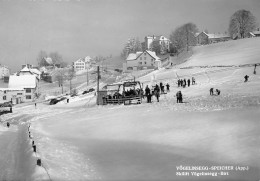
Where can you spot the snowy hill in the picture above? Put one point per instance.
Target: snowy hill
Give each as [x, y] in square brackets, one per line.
[83, 141]
[236, 52]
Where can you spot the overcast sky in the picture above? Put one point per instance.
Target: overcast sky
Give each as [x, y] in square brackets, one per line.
[78, 28]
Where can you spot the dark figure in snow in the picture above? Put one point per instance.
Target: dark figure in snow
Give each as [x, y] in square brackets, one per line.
[35, 105]
[149, 98]
[193, 80]
[246, 78]
[188, 82]
[157, 94]
[179, 82]
[211, 91]
[8, 124]
[142, 93]
[161, 86]
[217, 92]
[157, 88]
[184, 83]
[168, 87]
[255, 69]
[147, 92]
[179, 97]
[68, 100]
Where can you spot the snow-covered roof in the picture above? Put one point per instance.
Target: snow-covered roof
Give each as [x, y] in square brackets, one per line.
[35, 71]
[218, 35]
[153, 54]
[131, 56]
[24, 81]
[25, 69]
[134, 56]
[256, 32]
[49, 60]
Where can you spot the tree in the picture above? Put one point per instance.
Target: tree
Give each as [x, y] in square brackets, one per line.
[241, 23]
[156, 47]
[41, 58]
[61, 78]
[184, 36]
[71, 74]
[56, 57]
[133, 45]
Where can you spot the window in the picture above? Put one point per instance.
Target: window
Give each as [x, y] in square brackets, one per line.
[19, 93]
[4, 97]
[28, 97]
[144, 62]
[28, 90]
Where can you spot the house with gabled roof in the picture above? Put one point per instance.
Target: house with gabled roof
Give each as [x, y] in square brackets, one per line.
[27, 82]
[142, 60]
[208, 38]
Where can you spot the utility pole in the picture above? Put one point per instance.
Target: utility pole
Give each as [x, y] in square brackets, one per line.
[97, 83]
[87, 77]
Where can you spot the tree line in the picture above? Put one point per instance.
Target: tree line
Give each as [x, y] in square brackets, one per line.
[241, 23]
[55, 56]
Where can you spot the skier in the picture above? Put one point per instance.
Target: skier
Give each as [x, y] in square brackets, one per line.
[211, 91]
[8, 124]
[246, 78]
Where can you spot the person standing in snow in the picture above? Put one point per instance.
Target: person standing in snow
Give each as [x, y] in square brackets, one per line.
[179, 97]
[193, 80]
[246, 78]
[168, 87]
[8, 124]
[184, 83]
[35, 105]
[147, 93]
[211, 91]
[188, 82]
[157, 94]
[217, 92]
[181, 82]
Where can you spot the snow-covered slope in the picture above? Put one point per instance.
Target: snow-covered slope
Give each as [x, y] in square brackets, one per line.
[236, 52]
[83, 141]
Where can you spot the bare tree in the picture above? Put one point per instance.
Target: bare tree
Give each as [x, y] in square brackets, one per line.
[184, 36]
[61, 76]
[40, 59]
[71, 74]
[241, 23]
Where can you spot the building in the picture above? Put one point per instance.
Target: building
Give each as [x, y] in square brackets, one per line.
[206, 38]
[79, 65]
[14, 95]
[29, 71]
[27, 82]
[163, 41]
[256, 33]
[141, 60]
[82, 63]
[4, 71]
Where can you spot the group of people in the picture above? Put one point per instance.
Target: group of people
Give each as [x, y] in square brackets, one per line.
[156, 91]
[211, 92]
[184, 82]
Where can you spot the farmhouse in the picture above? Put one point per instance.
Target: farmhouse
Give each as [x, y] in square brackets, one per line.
[148, 40]
[27, 82]
[141, 60]
[206, 38]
